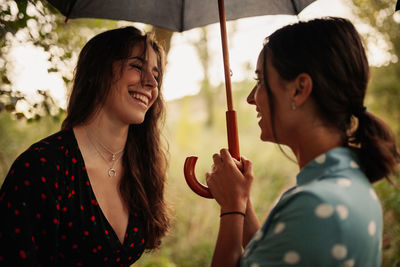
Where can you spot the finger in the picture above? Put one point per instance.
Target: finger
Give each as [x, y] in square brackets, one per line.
[225, 155]
[213, 168]
[239, 164]
[208, 177]
[217, 158]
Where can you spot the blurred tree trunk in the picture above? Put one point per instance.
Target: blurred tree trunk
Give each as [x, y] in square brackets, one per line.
[206, 90]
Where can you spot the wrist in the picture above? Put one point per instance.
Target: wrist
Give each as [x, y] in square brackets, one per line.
[239, 213]
[238, 207]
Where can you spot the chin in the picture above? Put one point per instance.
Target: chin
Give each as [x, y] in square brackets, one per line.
[262, 137]
[266, 137]
[136, 119]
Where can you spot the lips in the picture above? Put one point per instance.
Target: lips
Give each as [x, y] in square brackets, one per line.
[258, 113]
[140, 97]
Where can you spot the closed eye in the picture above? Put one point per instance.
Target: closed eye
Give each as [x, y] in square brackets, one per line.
[135, 66]
[258, 80]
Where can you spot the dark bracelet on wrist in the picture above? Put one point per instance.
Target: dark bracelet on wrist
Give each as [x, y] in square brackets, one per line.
[233, 212]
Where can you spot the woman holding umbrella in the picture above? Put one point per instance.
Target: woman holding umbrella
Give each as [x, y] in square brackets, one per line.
[311, 83]
[93, 193]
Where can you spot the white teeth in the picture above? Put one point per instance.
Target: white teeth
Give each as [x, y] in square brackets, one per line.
[140, 97]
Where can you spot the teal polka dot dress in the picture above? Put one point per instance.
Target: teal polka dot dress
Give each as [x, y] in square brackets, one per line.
[332, 217]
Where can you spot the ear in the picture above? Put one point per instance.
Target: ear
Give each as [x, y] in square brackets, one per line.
[302, 89]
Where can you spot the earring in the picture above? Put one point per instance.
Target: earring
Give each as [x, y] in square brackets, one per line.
[293, 105]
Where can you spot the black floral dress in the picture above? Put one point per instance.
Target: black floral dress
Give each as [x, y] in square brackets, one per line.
[50, 215]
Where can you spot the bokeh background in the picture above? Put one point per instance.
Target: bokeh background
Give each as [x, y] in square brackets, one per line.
[33, 97]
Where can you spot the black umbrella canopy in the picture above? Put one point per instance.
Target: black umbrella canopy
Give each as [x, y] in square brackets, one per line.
[398, 5]
[175, 15]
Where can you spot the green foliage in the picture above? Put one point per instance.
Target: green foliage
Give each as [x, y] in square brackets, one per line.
[37, 22]
[188, 131]
[17, 135]
[384, 100]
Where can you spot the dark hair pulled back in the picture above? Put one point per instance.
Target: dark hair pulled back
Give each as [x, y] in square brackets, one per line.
[330, 50]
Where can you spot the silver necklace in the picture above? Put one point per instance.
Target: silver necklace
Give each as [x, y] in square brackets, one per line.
[114, 155]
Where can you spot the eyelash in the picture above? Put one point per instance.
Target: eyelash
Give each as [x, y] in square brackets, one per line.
[136, 66]
[139, 67]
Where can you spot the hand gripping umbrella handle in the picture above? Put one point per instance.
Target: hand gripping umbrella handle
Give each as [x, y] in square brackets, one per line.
[233, 144]
[231, 122]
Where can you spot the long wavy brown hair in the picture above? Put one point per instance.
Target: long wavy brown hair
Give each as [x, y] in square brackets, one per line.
[144, 160]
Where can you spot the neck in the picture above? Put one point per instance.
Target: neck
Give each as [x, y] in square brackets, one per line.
[314, 143]
[107, 134]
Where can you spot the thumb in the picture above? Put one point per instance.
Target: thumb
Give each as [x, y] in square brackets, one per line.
[247, 166]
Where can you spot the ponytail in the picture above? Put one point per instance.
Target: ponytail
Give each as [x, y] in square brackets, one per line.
[377, 148]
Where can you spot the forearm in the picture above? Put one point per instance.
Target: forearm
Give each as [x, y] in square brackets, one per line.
[251, 224]
[229, 242]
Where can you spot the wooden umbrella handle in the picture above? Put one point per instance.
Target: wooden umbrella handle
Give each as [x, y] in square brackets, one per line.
[231, 121]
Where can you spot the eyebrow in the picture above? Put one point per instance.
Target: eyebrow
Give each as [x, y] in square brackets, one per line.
[139, 58]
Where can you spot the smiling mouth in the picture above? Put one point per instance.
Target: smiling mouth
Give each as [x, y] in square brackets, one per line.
[258, 113]
[140, 97]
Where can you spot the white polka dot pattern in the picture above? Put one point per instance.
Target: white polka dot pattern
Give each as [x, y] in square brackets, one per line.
[372, 228]
[339, 251]
[320, 159]
[258, 235]
[343, 211]
[291, 257]
[343, 182]
[349, 263]
[279, 227]
[338, 202]
[373, 194]
[324, 211]
[354, 165]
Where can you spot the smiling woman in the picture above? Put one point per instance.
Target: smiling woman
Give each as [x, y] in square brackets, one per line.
[310, 96]
[136, 88]
[93, 193]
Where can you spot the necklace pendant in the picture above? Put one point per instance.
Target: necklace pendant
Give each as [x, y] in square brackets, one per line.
[112, 172]
[113, 157]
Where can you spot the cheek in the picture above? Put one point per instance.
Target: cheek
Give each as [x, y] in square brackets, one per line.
[262, 102]
[154, 95]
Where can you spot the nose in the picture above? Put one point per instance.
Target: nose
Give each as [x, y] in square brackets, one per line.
[250, 97]
[148, 80]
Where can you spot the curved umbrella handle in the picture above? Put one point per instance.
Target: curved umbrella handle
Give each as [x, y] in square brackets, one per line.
[191, 179]
[190, 162]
